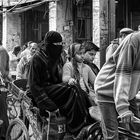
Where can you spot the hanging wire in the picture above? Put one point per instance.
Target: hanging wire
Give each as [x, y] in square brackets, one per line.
[12, 7]
[18, 5]
[46, 11]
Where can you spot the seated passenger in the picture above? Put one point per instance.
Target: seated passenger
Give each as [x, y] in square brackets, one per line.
[76, 71]
[45, 83]
[90, 52]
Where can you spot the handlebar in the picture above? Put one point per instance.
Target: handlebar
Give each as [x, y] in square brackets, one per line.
[135, 120]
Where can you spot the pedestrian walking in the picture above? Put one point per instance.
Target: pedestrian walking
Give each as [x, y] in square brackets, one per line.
[117, 83]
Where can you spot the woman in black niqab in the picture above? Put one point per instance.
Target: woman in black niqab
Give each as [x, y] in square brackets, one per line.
[45, 82]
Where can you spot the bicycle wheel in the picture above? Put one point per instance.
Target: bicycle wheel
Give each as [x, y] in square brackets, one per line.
[95, 132]
[17, 131]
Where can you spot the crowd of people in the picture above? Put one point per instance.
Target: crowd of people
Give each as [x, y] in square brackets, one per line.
[71, 82]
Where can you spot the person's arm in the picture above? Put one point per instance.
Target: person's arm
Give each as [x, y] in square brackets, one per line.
[67, 72]
[123, 77]
[20, 69]
[110, 50]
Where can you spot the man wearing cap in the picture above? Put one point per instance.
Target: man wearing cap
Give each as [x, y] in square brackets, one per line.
[110, 50]
[117, 84]
[115, 43]
[45, 83]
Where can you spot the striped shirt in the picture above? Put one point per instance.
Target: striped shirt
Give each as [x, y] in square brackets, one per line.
[119, 79]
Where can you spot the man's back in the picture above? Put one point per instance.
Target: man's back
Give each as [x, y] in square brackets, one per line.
[119, 70]
[94, 68]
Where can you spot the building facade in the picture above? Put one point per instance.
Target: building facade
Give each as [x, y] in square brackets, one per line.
[77, 20]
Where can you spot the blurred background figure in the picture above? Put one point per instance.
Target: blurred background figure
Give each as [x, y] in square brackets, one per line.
[4, 69]
[14, 57]
[23, 47]
[26, 51]
[24, 63]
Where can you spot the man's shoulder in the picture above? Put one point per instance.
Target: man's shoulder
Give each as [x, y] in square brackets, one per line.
[134, 36]
[93, 67]
[25, 52]
[116, 41]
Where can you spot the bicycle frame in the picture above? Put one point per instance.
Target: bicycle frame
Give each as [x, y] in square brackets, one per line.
[29, 112]
[32, 118]
[128, 134]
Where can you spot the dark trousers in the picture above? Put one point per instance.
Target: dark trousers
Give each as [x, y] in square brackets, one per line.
[3, 115]
[134, 109]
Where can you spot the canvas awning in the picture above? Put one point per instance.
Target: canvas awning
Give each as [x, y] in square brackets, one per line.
[28, 6]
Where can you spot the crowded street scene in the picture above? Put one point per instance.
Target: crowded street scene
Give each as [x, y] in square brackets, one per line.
[69, 70]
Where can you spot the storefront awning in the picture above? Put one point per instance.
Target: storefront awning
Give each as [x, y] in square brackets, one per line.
[27, 7]
[23, 8]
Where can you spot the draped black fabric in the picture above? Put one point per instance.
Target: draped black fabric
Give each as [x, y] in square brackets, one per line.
[50, 93]
[73, 103]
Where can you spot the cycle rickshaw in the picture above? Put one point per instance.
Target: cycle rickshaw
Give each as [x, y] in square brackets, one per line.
[18, 130]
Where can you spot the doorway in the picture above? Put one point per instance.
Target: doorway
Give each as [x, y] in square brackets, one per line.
[36, 23]
[83, 21]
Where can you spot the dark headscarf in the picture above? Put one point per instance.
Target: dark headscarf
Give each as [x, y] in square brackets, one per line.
[54, 51]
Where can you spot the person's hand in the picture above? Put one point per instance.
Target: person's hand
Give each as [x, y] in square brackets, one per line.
[72, 81]
[126, 117]
[136, 120]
